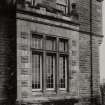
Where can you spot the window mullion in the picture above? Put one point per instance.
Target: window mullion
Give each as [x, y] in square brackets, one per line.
[41, 58]
[54, 70]
[44, 65]
[68, 74]
[57, 67]
[68, 68]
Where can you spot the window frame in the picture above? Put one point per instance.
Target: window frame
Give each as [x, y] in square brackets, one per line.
[57, 54]
[51, 52]
[64, 53]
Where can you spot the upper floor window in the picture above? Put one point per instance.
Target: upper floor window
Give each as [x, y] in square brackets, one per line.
[56, 6]
[62, 5]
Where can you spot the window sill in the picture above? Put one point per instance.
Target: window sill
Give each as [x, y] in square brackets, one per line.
[48, 89]
[36, 90]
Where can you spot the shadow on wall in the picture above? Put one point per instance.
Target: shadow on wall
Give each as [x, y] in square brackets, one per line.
[96, 100]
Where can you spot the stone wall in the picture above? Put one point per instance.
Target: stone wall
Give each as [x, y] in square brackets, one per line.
[79, 75]
[24, 70]
[84, 16]
[85, 67]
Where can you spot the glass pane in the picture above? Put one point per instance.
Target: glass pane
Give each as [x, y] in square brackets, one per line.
[36, 71]
[50, 71]
[63, 45]
[62, 71]
[50, 44]
[37, 42]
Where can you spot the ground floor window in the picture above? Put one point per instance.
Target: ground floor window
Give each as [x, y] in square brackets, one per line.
[49, 62]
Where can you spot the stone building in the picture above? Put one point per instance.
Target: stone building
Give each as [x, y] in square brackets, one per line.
[49, 52]
[102, 88]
